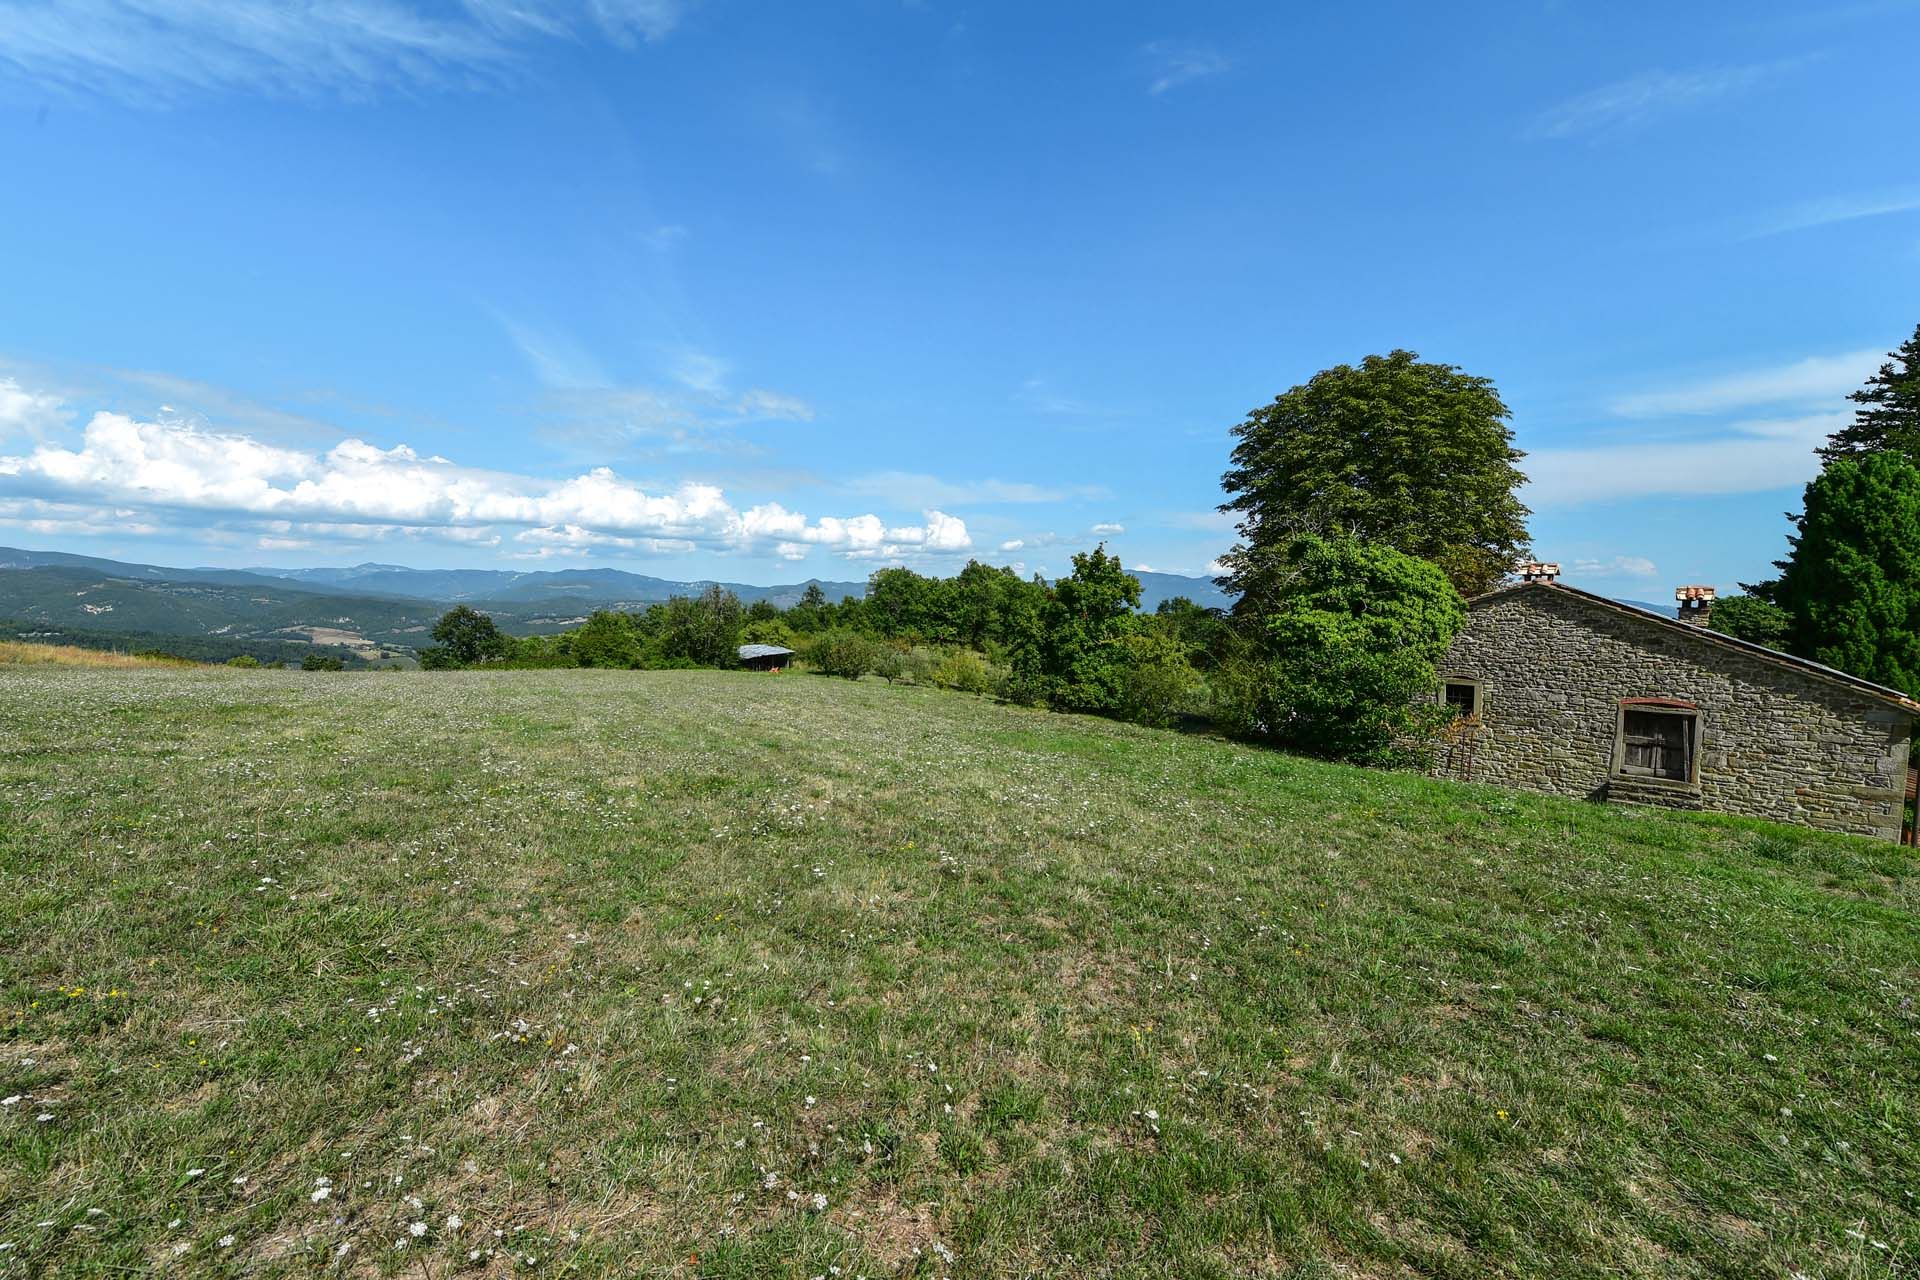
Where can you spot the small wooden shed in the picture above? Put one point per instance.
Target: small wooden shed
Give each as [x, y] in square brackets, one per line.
[765, 657]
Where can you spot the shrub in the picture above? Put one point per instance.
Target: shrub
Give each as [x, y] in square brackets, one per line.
[1344, 665]
[888, 663]
[322, 662]
[841, 652]
[246, 660]
[965, 671]
[916, 665]
[1157, 682]
[528, 653]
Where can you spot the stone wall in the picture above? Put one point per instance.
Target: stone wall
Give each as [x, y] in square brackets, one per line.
[1773, 741]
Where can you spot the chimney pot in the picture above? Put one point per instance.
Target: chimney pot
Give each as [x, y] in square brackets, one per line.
[1538, 571]
[1696, 604]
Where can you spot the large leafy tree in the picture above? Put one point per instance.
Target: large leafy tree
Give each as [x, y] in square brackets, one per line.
[466, 636]
[704, 630]
[605, 639]
[1889, 414]
[1074, 660]
[1751, 617]
[813, 613]
[1414, 455]
[993, 606]
[1343, 664]
[1851, 586]
[903, 603]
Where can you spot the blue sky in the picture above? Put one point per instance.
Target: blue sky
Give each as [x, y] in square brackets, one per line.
[766, 291]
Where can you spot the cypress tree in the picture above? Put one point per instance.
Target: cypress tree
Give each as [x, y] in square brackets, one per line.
[1889, 414]
[1851, 588]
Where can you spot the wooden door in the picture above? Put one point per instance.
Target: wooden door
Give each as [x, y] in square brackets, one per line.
[1656, 745]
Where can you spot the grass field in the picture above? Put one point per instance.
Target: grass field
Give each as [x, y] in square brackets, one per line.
[23, 653]
[703, 974]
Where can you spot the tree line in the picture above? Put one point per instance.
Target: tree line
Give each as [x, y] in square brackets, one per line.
[1370, 499]
[1373, 500]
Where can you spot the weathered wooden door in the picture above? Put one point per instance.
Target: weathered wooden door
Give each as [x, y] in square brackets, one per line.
[1656, 745]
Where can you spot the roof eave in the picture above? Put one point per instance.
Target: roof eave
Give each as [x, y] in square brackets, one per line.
[1831, 675]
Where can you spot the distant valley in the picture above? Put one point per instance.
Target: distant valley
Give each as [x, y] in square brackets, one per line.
[372, 613]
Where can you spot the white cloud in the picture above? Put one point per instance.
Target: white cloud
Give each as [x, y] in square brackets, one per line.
[1039, 394]
[31, 412]
[1216, 568]
[1107, 529]
[772, 406]
[178, 465]
[1803, 382]
[1013, 544]
[1617, 567]
[1638, 99]
[1750, 457]
[700, 371]
[1844, 208]
[1178, 64]
[68, 519]
[155, 50]
[700, 398]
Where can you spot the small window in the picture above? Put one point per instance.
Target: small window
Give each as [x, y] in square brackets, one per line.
[1657, 742]
[1463, 696]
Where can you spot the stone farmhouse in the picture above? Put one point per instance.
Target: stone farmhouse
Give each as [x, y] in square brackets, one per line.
[1564, 691]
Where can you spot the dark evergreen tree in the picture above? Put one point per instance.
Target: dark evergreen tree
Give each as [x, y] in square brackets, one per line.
[1889, 414]
[1851, 587]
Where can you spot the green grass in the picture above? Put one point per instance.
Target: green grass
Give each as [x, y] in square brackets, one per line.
[621, 970]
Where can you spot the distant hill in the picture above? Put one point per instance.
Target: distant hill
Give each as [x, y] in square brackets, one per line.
[72, 596]
[592, 586]
[366, 607]
[1155, 587]
[612, 587]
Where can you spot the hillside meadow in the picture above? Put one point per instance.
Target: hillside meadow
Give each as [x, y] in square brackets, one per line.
[687, 974]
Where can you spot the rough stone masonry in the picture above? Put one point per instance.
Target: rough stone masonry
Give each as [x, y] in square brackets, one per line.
[1577, 695]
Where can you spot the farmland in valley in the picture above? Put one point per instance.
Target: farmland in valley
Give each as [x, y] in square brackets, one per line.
[713, 974]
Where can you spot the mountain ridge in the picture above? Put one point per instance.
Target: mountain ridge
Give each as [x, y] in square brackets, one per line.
[367, 608]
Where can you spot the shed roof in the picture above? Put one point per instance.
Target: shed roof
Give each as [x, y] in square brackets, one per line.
[1705, 636]
[763, 651]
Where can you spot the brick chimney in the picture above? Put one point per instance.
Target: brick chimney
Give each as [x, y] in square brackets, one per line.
[1535, 571]
[1696, 604]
